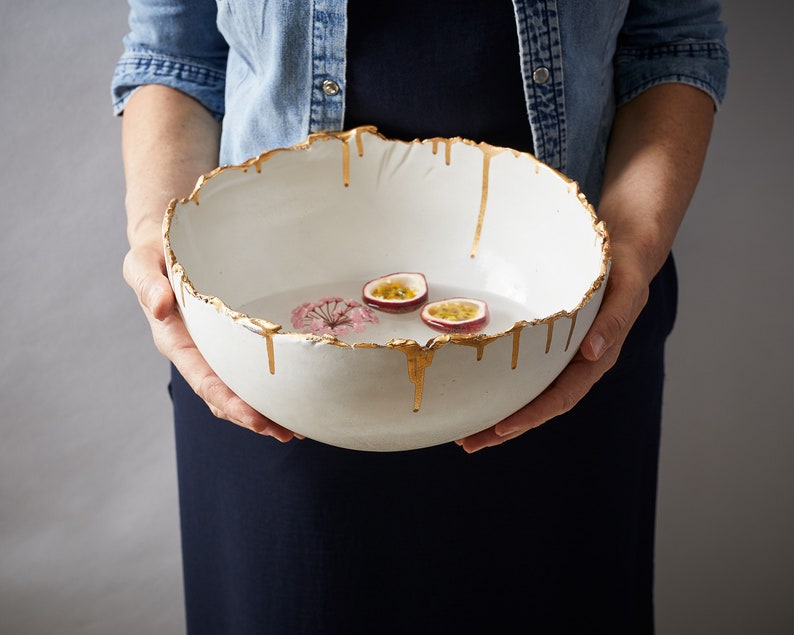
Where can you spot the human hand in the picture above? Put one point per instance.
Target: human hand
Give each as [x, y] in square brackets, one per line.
[624, 297]
[655, 155]
[144, 271]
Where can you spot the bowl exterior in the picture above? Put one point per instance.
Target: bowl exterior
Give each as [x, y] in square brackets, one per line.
[408, 390]
[382, 398]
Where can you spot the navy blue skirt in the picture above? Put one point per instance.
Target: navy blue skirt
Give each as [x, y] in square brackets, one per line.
[552, 532]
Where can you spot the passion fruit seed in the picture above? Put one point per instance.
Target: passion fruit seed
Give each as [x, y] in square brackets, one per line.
[454, 311]
[394, 291]
[456, 315]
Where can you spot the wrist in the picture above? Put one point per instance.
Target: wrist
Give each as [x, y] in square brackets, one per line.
[145, 216]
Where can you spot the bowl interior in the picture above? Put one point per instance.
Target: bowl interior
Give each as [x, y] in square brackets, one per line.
[320, 220]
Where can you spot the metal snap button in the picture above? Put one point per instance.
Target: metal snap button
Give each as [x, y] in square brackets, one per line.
[330, 87]
[541, 75]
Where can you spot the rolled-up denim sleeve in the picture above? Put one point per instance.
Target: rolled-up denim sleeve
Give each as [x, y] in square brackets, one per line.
[175, 43]
[672, 41]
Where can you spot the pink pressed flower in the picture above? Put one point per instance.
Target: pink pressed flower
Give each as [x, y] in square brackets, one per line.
[331, 316]
[299, 314]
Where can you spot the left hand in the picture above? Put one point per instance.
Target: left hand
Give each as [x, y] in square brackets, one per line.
[624, 297]
[656, 152]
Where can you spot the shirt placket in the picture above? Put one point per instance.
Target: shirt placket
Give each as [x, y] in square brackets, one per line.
[329, 32]
[541, 66]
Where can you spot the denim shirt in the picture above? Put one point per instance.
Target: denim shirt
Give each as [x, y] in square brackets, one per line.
[274, 71]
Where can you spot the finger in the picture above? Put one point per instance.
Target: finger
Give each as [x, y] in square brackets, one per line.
[225, 404]
[624, 298]
[174, 342]
[560, 397]
[143, 270]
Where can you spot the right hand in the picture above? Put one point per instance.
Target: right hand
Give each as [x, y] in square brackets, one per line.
[144, 271]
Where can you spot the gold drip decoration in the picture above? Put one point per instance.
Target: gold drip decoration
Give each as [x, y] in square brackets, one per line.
[419, 357]
[549, 334]
[570, 332]
[516, 345]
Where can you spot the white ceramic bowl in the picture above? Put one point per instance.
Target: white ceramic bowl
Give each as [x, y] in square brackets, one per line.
[261, 247]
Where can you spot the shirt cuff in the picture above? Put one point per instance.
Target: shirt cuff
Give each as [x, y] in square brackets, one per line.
[703, 65]
[138, 68]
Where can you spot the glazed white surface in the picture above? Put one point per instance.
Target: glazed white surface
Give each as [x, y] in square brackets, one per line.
[323, 219]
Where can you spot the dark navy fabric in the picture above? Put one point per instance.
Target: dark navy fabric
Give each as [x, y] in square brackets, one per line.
[552, 532]
[419, 69]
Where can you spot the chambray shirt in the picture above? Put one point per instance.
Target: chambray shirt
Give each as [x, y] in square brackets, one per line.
[274, 70]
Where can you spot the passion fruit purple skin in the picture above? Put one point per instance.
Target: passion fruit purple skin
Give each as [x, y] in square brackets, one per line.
[468, 326]
[399, 292]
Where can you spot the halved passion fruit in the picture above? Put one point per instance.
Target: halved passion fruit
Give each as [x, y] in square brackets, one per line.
[396, 293]
[456, 315]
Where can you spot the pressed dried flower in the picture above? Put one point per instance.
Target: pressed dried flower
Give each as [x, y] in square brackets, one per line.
[332, 316]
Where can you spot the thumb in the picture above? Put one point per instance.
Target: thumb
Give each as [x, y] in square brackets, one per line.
[622, 304]
[143, 270]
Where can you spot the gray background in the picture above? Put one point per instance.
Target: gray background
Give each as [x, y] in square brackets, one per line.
[88, 516]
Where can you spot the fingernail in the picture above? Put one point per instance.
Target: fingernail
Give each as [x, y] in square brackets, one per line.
[505, 432]
[598, 344]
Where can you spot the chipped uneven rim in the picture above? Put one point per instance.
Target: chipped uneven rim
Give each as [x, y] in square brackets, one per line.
[180, 280]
